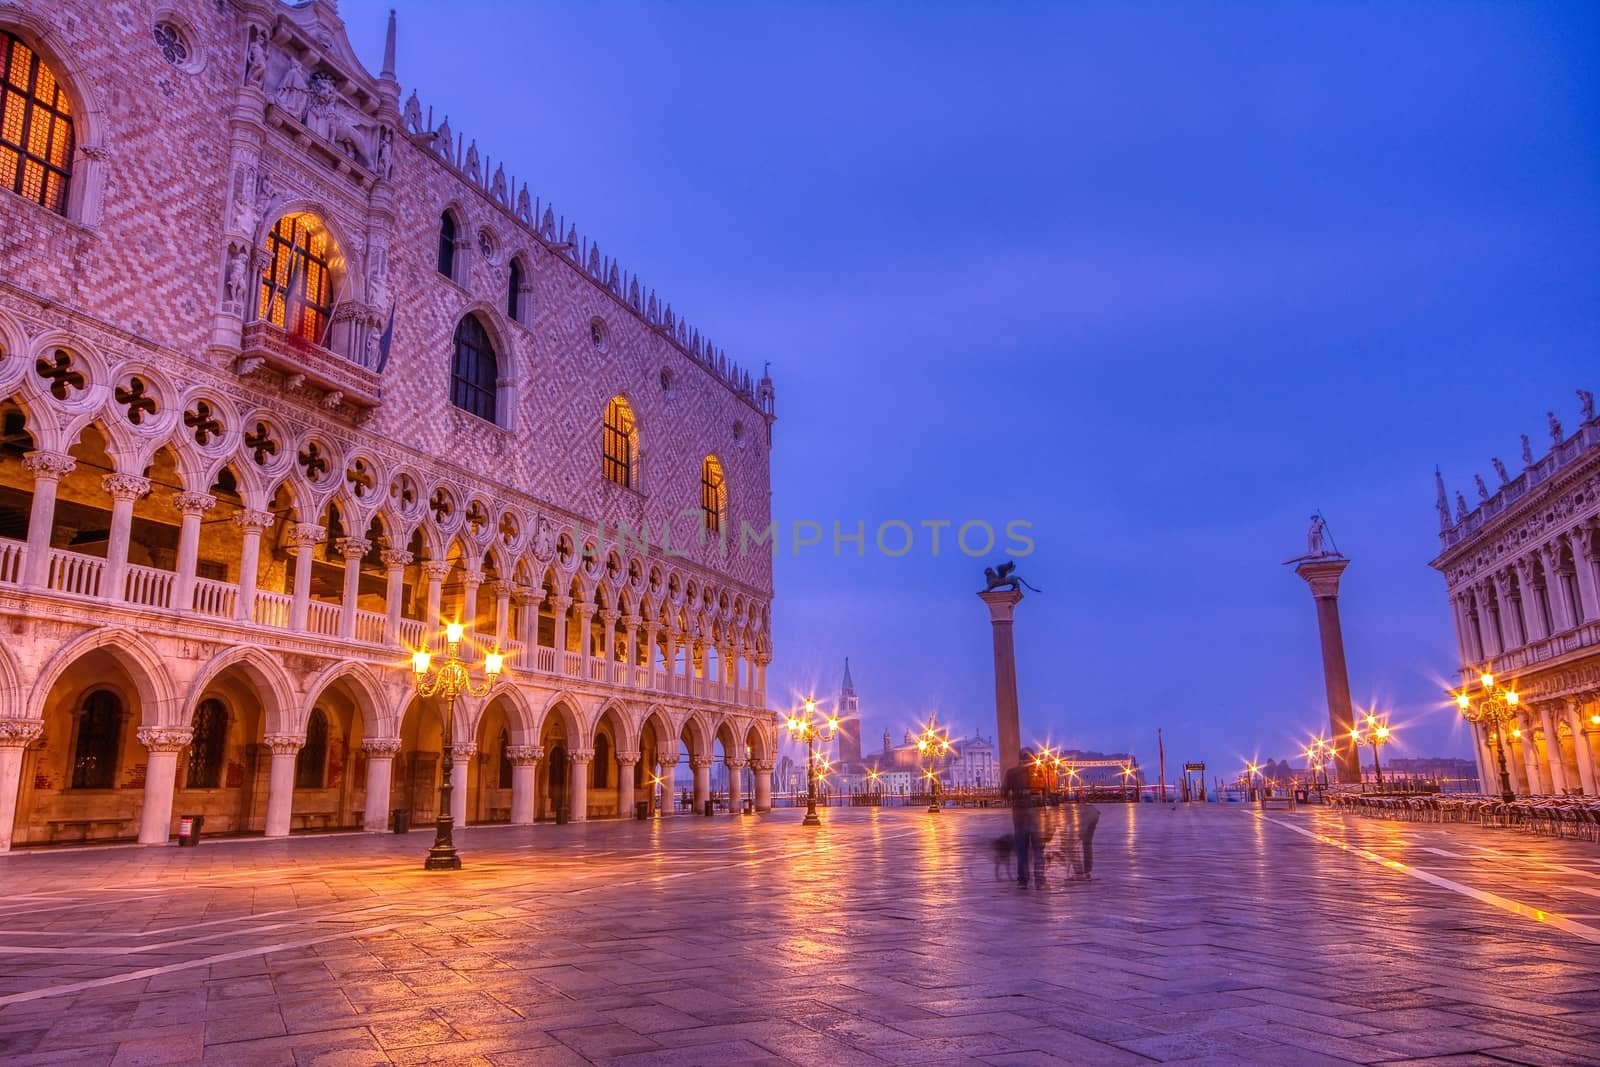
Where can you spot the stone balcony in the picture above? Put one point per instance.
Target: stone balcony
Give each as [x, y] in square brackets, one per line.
[74, 579]
[342, 380]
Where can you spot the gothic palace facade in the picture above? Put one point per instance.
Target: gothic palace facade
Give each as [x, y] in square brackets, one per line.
[1523, 573]
[289, 379]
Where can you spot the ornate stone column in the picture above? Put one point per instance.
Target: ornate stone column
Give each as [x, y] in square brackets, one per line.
[652, 634]
[1586, 556]
[1530, 755]
[352, 549]
[15, 737]
[394, 592]
[1489, 621]
[193, 507]
[1552, 748]
[250, 524]
[560, 604]
[735, 784]
[669, 789]
[630, 650]
[1530, 600]
[671, 669]
[1008, 729]
[585, 613]
[527, 599]
[48, 469]
[524, 779]
[1560, 610]
[381, 752]
[762, 659]
[162, 745]
[434, 570]
[762, 769]
[285, 749]
[304, 536]
[626, 762]
[471, 579]
[1322, 574]
[502, 611]
[464, 751]
[608, 622]
[124, 490]
[1581, 732]
[701, 765]
[579, 760]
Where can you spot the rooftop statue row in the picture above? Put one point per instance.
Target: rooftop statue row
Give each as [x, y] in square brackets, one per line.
[1512, 486]
[563, 239]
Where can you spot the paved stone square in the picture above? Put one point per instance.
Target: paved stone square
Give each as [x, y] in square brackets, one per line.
[1208, 935]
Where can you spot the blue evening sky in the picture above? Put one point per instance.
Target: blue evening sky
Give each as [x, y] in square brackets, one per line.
[1159, 279]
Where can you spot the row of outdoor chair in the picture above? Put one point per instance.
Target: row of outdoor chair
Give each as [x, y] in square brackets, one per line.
[1577, 817]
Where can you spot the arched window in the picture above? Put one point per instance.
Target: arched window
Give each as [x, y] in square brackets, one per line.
[310, 766]
[447, 245]
[35, 127]
[505, 760]
[94, 754]
[602, 761]
[297, 284]
[206, 749]
[713, 494]
[514, 292]
[474, 370]
[617, 444]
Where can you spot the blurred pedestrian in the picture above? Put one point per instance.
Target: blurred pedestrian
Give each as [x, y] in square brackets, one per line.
[1023, 789]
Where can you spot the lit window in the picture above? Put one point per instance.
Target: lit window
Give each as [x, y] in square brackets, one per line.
[297, 284]
[618, 442]
[35, 127]
[713, 494]
[474, 370]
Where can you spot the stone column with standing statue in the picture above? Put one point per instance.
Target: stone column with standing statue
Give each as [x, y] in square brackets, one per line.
[1002, 594]
[1321, 567]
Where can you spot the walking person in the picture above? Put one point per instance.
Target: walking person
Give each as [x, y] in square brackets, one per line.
[1019, 790]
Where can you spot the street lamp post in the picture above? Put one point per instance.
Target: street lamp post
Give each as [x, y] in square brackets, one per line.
[1497, 706]
[810, 730]
[1377, 734]
[449, 681]
[931, 744]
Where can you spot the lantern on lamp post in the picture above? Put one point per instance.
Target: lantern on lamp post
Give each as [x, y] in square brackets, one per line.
[1496, 705]
[449, 681]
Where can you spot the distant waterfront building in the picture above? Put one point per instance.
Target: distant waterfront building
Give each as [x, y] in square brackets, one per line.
[1522, 572]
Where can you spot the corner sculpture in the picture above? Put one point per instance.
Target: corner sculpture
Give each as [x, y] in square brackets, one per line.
[1321, 568]
[1002, 592]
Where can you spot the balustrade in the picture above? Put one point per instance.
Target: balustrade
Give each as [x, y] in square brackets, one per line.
[272, 609]
[218, 600]
[322, 618]
[12, 553]
[75, 573]
[411, 632]
[148, 587]
[370, 626]
[545, 660]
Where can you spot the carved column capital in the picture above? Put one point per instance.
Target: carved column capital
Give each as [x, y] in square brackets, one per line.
[667, 764]
[701, 763]
[627, 759]
[735, 764]
[502, 588]
[435, 569]
[581, 755]
[610, 617]
[49, 466]
[393, 558]
[464, 749]
[524, 595]
[524, 755]
[381, 747]
[631, 621]
[561, 603]
[353, 547]
[19, 733]
[586, 610]
[283, 744]
[125, 487]
[306, 534]
[762, 766]
[164, 738]
[194, 503]
[248, 520]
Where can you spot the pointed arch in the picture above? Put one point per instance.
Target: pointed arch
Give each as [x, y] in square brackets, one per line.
[376, 719]
[569, 709]
[157, 698]
[280, 701]
[524, 721]
[621, 724]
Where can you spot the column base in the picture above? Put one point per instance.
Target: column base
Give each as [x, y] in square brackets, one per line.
[442, 859]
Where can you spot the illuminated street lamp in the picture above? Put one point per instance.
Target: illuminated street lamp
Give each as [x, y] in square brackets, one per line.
[1377, 734]
[931, 744]
[1252, 771]
[874, 785]
[449, 681]
[808, 728]
[1127, 775]
[1317, 755]
[1496, 706]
